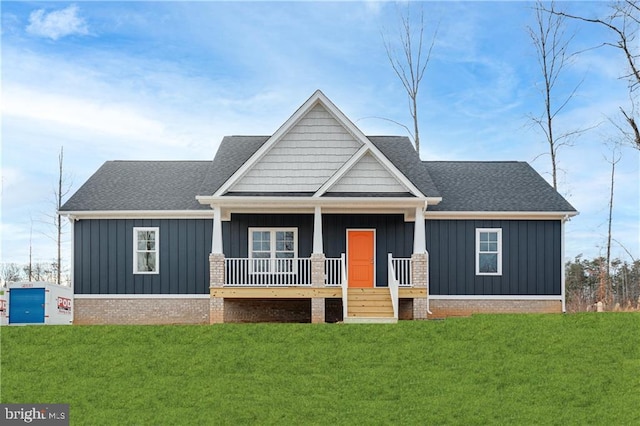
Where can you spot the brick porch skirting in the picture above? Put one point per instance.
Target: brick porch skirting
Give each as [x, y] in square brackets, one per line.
[141, 311]
[442, 308]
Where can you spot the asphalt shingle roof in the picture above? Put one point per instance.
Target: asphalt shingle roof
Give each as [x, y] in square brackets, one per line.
[141, 185]
[493, 186]
[173, 185]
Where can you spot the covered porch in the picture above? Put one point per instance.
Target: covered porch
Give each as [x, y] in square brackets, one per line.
[395, 280]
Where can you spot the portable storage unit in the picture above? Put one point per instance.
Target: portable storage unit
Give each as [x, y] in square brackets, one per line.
[3, 306]
[39, 303]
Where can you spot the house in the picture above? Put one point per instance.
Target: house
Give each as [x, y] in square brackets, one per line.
[316, 222]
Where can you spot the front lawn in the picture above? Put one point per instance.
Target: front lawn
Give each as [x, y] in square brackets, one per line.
[509, 369]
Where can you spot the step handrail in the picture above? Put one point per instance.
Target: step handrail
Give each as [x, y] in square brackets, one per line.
[393, 285]
[345, 287]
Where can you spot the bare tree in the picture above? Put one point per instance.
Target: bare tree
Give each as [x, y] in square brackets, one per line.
[10, 272]
[624, 24]
[551, 42]
[409, 62]
[607, 277]
[62, 189]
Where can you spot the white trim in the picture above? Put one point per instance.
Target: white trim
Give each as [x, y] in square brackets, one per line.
[318, 247]
[287, 202]
[272, 247]
[375, 261]
[492, 297]
[139, 214]
[142, 296]
[498, 252]
[522, 215]
[73, 253]
[563, 284]
[156, 230]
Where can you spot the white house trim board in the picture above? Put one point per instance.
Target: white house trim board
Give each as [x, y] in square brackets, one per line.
[491, 297]
[138, 214]
[458, 215]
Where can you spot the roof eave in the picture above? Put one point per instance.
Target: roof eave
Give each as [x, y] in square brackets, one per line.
[518, 215]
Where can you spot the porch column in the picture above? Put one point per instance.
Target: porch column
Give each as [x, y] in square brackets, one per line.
[317, 231]
[419, 279]
[216, 240]
[216, 281]
[317, 280]
[419, 240]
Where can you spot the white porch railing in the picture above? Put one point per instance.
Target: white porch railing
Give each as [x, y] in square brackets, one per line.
[393, 283]
[402, 270]
[333, 268]
[267, 272]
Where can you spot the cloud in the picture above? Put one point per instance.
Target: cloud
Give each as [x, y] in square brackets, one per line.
[57, 24]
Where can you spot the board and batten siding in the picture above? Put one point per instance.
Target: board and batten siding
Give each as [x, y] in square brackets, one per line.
[531, 258]
[368, 175]
[304, 159]
[103, 257]
[235, 233]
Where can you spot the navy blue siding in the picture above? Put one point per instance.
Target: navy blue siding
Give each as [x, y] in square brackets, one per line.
[531, 258]
[235, 234]
[103, 257]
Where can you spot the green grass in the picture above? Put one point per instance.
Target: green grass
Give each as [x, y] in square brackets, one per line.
[511, 369]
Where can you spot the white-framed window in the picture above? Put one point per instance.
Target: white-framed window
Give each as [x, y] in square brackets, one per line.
[273, 250]
[488, 251]
[145, 250]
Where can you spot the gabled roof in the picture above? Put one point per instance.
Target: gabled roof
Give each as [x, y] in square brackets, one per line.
[141, 185]
[235, 150]
[317, 150]
[493, 186]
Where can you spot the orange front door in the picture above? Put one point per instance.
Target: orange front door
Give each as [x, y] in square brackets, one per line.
[360, 258]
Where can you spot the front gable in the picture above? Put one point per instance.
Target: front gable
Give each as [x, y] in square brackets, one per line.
[318, 150]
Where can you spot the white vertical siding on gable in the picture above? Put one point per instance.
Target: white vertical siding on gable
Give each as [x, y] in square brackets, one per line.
[304, 159]
[368, 175]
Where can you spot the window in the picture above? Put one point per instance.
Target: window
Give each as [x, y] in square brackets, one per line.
[489, 251]
[145, 250]
[273, 249]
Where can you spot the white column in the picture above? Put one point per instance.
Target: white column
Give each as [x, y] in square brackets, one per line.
[72, 267]
[216, 240]
[317, 231]
[562, 274]
[419, 240]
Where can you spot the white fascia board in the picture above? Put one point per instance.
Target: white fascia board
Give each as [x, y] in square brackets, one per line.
[138, 214]
[457, 215]
[286, 202]
[141, 296]
[493, 297]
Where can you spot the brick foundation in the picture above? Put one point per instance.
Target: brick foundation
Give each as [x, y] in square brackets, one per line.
[442, 308]
[141, 311]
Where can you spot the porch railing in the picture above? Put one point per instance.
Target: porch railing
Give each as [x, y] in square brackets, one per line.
[268, 272]
[393, 283]
[402, 270]
[333, 268]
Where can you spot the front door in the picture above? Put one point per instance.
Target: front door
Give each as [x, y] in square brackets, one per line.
[361, 258]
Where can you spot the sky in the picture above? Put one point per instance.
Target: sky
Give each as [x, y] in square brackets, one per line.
[167, 80]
